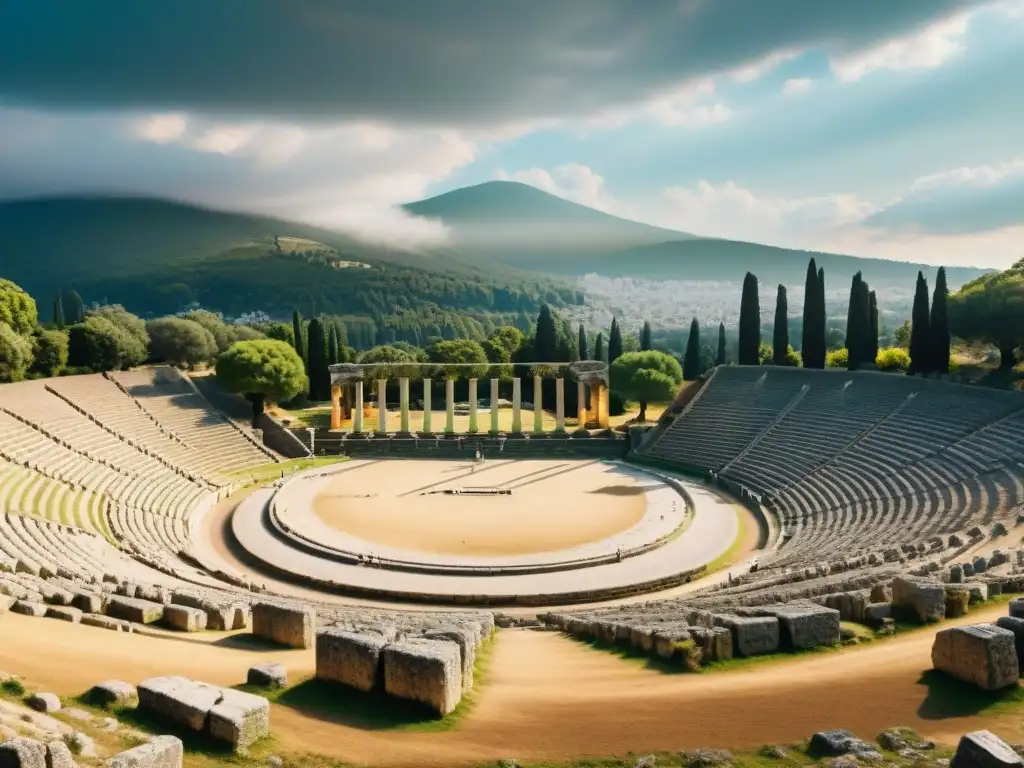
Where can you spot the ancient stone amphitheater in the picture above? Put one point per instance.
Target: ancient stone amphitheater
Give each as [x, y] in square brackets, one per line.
[866, 492]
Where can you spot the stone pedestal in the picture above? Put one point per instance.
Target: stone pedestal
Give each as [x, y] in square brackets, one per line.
[335, 406]
[495, 424]
[559, 405]
[538, 411]
[382, 406]
[403, 399]
[449, 406]
[517, 406]
[357, 411]
[473, 428]
[426, 407]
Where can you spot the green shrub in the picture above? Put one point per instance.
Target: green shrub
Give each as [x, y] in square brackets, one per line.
[13, 686]
[838, 358]
[893, 359]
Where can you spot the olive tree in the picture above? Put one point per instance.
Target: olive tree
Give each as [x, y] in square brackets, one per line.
[262, 370]
[180, 342]
[15, 354]
[648, 377]
[17, 308]
[990, 309]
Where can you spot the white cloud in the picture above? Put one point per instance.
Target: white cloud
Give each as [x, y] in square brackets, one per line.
[796, 85]
[161, 129]
[690, 103]
[572, 181]
[975, 176]
[928, 48]
[752, 71]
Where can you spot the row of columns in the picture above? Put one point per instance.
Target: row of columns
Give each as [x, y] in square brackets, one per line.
[598, 410]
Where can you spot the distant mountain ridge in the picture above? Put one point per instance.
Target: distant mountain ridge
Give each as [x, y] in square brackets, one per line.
[521, 226]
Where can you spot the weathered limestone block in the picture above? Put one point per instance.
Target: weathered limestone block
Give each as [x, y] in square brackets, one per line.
[956, 573]
[54, 595]
[58, 755]
[983, 749]
[1015, 624]
[288, 625]
[270, 674]
[115, 693]
[88, 602]
[241, 616]
[22, 753]
[982, 654]
[924, 599]
[239, 718]
[876, 613]
[751, 635]
[980, 564]
[466, 641]
[667, 641]
[29, 608]
[715, 643]
[427, 671]
[837, 742]
[135, 609]
[179, 699]
[158, 752]
[642, 638]
[44, 702]
[978, 591]
[1017, 607]
[958, 597]
[106, 622]
[806, 625]
[351, 658]
[64, 613]
[153, 593]
[185, 619]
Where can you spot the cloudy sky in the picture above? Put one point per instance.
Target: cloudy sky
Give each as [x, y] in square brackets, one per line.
[892, 128]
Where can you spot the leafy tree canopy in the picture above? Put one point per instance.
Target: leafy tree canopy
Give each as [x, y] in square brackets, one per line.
[100, 345]
[15, 354]
[181, 342]
[459, 351]
[508, 337]
[49, 352]
[991, 309]
[17, 308]
[131, 324]
[225, 334]
[262, 370]
[649, 377]
[387, 358]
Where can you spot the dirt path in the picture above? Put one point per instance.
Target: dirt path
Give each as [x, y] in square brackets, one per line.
[547, 697]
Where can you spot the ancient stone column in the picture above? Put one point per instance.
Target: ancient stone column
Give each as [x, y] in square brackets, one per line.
[382, 406]
[449, 405]
[357, 410]
[538, 411]
[495, 424]
[426, 406]
[473, 429]
[403, 400]
[335, 406]
[559, 404]
[581, 405]
[517, 405]
[602, 405]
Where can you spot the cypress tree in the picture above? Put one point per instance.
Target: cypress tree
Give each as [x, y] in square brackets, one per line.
[614, 342]
[720, 357]
[873, 334]
[300, 336]
[938, 326]
[334, 347]
[645, 337]
[750, 322]
[691, 362]
[74, 308]
[583, 349]
[919, 328]
[853, 338]
[316, 367]
[546, 340]
[780, 337]
[599, 347]
[58, 312]
[812, 346]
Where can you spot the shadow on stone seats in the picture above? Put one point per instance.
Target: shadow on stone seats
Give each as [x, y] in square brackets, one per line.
[947, 697]
[335, 703]
[619, 490]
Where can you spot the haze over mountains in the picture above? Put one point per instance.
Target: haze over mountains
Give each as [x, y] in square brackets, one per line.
[504, 237]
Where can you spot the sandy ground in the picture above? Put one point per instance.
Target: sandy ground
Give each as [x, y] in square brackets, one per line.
[554, 505]
[547, 697]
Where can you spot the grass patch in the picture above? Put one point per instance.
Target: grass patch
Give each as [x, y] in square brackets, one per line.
[272, 471]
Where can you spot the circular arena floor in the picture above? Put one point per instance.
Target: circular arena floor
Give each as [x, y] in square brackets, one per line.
[526, 532]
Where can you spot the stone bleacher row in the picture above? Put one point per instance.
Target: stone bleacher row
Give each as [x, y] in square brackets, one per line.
[854, 463]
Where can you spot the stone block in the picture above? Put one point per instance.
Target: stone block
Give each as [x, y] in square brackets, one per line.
[837, 742]
[715, 643]
[270, 674]
[956, 574]
[1017, 607]
[64, 613]
[88, 602]
[239, 718]
[106, 622]
[669, 639]
[44, 702]
[983, 749]
[158, 752]
[290, 626]
[135, 609]
[58, 755]
[752, 635]
[116, 693]
[958, 597]
[978, 591]
[466, 641]
[803, 626]
[876, 613]
[22, 753]
[241, 616]
[351, 658]
[179, 699]
[29, 608]
[1016, 625]
[982, 654]
[922, 599]
[426, 671]
[184, 619]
